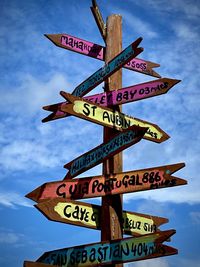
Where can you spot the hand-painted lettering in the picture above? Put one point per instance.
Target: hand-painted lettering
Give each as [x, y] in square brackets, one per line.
[101, 152]
[113, 119]
[101, 253]
[78, 213]
[91, 187]
[58, 190]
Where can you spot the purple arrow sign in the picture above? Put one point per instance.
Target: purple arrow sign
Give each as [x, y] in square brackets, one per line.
[118, 97]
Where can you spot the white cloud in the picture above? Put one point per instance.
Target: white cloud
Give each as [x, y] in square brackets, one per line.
[186, 9]
[28, 98]
[195, 216]
[179, 195]
[150, 263]
[185, 32]
[23, 154]
[140, 26]
[185, 262]
[9, 238]
[12, 199]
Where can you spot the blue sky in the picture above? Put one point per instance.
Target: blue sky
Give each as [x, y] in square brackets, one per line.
[33, 71]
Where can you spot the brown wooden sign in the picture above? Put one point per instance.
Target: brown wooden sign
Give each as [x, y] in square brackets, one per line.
[107, 117]
[97, 51]
[118, 97]
[108, 69]
[113, 252]
[97, 155]
[99, 19]
[87, 215]
[98, 186]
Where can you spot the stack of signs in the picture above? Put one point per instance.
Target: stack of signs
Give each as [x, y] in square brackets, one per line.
[58, 200]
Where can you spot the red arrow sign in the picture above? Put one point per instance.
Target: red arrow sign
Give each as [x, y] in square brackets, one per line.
[98, 186]
[118, 97]
[87, 215]
[87, 48]
[108, 117]
[113, 252]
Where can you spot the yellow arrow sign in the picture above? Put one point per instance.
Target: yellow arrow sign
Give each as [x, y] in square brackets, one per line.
[107, 117]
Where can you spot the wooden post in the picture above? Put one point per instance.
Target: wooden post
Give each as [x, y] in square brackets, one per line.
[111, 220]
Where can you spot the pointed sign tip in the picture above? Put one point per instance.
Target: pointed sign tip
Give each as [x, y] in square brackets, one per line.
[155, 74]
[30, 196]
[35, 194]
[64, 94]
[49, 36]
[176, 81]
[165, 235]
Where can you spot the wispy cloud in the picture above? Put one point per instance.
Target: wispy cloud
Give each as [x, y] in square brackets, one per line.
[14, 201]
[9, 238]
[186, 32]
[195, 216]
[188, 9]
[140, 26]
[150, 263]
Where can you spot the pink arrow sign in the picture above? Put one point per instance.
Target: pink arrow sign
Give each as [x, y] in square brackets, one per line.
[118, 97]
[87, 48]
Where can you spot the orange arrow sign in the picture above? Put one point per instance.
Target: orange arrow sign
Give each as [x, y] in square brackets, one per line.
[87, 215]
[110, 118]
[118, 97]
[120, 183]
[113, 252]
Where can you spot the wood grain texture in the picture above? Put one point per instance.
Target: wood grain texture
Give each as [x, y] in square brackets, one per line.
[112, 206]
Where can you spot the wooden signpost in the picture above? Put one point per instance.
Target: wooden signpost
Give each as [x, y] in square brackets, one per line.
[119, 183]
[87, 48]
[87, 215]
[99, 19]
[110, 118]
[118, 251]
[57, 200]
[118, 97]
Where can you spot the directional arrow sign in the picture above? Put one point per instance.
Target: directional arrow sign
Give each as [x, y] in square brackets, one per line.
[102, 152]
[110, 118]
[120, 183]
[117, 251]
[108, 69]
[87, 215]
[118, 97]
[87, 48]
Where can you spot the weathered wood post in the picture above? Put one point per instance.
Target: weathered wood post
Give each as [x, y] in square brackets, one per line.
[111, 220]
